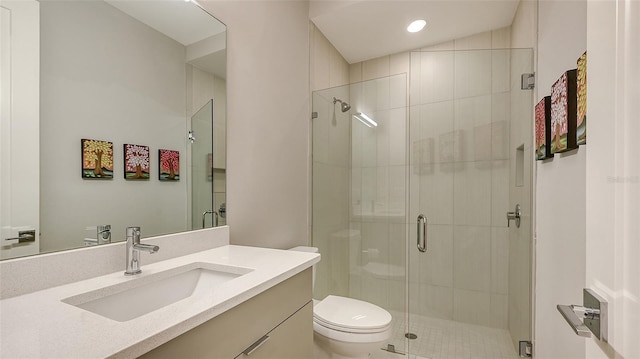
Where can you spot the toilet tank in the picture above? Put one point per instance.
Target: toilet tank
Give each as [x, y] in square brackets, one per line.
[308, 250]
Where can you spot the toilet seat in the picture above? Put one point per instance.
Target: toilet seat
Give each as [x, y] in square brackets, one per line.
[350, 315]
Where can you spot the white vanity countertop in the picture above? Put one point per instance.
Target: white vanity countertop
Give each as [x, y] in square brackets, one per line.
[40, 325]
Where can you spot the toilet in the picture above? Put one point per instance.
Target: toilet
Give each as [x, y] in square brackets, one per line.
[347, 328]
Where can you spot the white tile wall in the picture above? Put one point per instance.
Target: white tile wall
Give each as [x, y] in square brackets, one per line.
[398, 92]
[434, 194]
[472, 77]
[399, 63]
[500, 64]
[472, 194]
[355, 72]
[472, 307]
[479, 41]
[501, 38]
[436, 265]
[499, 261]
[434, 76]
[499, 311]
[499, 193]
[321, 60]
[471, 114]
[445, 46]
[472, 258]
[398, 136]
[375, 68]
[435, 301]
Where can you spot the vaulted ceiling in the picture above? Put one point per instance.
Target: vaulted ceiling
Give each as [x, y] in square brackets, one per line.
[366, 29]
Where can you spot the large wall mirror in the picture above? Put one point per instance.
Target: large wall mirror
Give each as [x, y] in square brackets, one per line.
[144, 73]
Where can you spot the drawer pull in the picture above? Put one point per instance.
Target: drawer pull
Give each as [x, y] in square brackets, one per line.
[255, 345]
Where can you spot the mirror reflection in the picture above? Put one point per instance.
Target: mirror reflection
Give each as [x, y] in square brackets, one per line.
[147, 75]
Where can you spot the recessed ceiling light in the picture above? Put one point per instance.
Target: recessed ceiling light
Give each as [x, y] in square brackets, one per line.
[416, 25]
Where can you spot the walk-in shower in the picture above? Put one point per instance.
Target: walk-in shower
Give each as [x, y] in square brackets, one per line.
[446, 146]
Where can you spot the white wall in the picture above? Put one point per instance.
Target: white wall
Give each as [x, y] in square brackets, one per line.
[268, 120]
[97, 82]
[560, 191]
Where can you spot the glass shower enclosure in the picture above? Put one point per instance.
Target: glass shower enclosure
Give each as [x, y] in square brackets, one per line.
[430, 159]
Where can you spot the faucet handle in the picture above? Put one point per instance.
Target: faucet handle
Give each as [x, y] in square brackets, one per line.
[133, 232]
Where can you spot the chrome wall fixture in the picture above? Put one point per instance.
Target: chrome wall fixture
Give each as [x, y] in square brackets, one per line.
[515, 216]
[215, 218]
[591, 317]
[103, 234]
[344, 107]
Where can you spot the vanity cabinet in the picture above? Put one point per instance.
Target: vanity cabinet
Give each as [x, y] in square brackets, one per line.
[276, 324]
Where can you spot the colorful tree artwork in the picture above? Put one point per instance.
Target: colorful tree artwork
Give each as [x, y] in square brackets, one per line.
[542, 128]
[97, 159]
[136, 162]
[169, 165]
[581, 125]
[563, 113]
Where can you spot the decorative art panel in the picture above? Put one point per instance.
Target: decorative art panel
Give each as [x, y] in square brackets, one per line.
[136, 162]
[581, 122]
[97, 159]
[543, 129]
[169, 165]
[563, 113]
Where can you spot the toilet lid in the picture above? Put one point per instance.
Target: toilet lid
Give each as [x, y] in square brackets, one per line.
[351, 314]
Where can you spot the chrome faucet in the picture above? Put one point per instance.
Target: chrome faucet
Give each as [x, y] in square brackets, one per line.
[133, 250]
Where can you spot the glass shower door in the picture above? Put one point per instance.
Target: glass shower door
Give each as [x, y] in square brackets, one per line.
[201, 137]
[359, 195]
[470, 123]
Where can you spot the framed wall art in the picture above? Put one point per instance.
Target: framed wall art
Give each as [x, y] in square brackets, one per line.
[136, 162]
[169, 165]
[581, 121]
[543, 129]
[97, 159]
[563, 113]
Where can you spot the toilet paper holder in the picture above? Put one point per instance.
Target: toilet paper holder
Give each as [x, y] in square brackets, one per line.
[591, 317]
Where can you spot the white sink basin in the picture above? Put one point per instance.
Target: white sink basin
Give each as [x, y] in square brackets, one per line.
[139, 296]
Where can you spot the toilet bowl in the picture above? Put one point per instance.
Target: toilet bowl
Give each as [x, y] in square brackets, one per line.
[347, 328]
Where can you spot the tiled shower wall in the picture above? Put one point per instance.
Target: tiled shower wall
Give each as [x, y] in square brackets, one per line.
[460, 116]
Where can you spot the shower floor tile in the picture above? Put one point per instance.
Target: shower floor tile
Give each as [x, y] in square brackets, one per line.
[447, 339]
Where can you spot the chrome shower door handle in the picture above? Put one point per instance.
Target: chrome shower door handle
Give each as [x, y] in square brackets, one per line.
[214, 219]
[422, 233]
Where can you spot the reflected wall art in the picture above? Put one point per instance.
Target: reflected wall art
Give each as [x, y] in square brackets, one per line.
[136, 162]
[97, 159]
[169, 165]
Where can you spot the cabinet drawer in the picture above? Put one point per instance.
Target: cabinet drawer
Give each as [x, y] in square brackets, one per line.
[292, 339]
[230, 333]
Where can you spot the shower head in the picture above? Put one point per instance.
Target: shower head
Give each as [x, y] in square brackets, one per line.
[343, 105]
